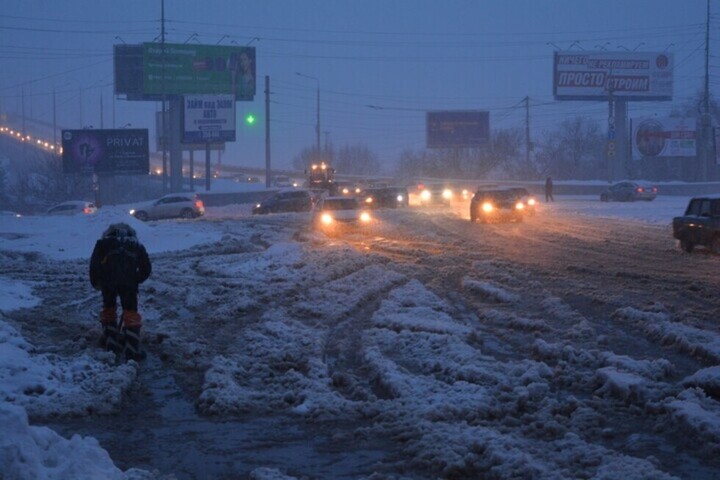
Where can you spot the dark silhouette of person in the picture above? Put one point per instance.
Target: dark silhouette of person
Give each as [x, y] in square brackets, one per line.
[549, 190]
[119, 263]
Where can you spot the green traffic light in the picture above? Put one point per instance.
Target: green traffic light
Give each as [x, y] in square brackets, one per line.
[250, 119]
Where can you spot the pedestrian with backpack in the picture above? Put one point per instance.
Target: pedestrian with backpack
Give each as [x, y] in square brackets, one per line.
[119, 263]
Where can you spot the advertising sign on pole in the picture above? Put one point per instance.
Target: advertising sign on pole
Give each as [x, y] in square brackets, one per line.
[580, 75]
[181, 69]
[457, 129]
[112, 151]
[209, 118]
[664, 137]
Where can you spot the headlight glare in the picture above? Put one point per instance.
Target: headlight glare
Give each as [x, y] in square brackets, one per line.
[487, 207]
[365, 217]
[326, 218]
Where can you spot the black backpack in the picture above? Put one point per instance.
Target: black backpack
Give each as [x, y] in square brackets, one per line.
[120, 265]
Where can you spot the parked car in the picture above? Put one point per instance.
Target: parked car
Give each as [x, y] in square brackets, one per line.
[174, 205]
[496, 205]
[629, 192]
[391, 197]
[336, 214]
[286, 201]
[9, 214]
[529, 200]
[72, 207]
[700, 225]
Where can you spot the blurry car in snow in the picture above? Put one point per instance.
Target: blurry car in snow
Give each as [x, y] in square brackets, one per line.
[496, 205]
[174, 205]
[700, 225]
[530, 201]
[283, 181]
[629, 192]
[72, 207]
[285, 201]
[337, 214]
[9, 214]
[391, 197]
[435, 194]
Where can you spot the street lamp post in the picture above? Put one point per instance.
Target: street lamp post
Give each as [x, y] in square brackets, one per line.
[317, 124]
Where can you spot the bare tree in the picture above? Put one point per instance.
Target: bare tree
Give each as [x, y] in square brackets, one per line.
[574, 151]
[40, 182]
[357, 160]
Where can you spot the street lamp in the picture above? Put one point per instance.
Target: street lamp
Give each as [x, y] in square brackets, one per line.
[317, 124]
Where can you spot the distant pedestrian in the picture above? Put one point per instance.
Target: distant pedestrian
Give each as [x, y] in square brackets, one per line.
[549, 190]
[119, 263]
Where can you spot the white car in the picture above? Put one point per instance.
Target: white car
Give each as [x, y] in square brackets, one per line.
[72, 207]
[173, 205]
[334, 214]
[283, 181]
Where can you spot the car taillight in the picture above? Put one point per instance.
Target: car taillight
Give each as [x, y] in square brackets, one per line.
[640, 189]
[654, 190]
[199, 203]
[87, 210]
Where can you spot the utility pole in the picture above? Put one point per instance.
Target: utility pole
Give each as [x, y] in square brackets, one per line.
[527, 131]
[707, 60]
[102, 124]
[267, 132]
[163, 120]
[705, 149]
[55, 147]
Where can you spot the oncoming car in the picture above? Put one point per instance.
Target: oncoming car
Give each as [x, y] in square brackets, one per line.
[528, 200]
[334, 214]
[72, 207]
[629, 192]
[285, 201]
[391, 197]
[435, 194]
[174, 205]
[496, 205]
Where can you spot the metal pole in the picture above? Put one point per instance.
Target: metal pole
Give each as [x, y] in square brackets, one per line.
[54, 124]
[207, 166]
[267, 132]
[527, 131]
[163, 119]
[317, 127]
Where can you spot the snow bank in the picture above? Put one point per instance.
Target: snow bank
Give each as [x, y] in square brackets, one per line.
[490, 290]
[15, 294]
[50, 385]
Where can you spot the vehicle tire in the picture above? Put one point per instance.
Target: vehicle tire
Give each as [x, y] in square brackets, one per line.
[142, 216]
[687, 246]
[603, 197]
[187, 213]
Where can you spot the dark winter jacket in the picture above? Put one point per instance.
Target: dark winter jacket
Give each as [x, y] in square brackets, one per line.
[119, 240]
[548, 185]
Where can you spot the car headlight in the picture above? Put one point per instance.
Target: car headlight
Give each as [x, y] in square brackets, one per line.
[519, 205]
[132, 211]
[365, 217]
[425, 195]
[369, 200]
[257, 205]
[447, 194]
[531, 201]
[487, 207]
[345, 191]
[399, 198]
[326, 218]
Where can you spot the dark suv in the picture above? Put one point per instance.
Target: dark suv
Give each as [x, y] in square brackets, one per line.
[492, 205]
[700, 225]
[378, 197]
[285, 201]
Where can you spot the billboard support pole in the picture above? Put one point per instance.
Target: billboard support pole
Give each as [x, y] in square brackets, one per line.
[621, 136]
[192, 170]
[207, 166]
[267, 131]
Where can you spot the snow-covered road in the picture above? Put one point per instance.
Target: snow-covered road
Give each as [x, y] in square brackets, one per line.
[578, 344]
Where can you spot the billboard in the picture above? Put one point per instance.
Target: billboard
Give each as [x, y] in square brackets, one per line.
[199, 69]
[716, 145]
[664, 137]
[457, 129]
[208, 118]
[112, 151]
[628, 75]
[144, 72]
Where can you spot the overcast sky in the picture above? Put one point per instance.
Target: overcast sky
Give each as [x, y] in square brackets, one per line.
[380, 63]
